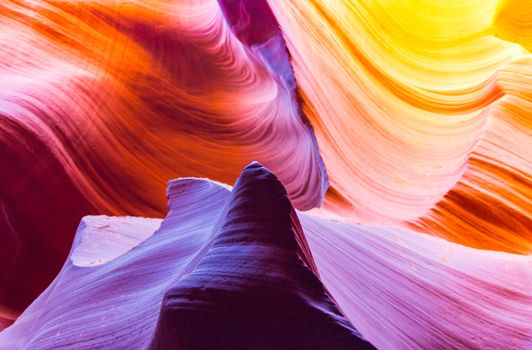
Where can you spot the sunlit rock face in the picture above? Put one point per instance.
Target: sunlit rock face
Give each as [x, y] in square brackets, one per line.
[399, 130]
[421, 111]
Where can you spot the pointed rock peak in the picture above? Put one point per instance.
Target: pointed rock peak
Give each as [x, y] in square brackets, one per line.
[260, 196]
[261, 185]
[249, 289]
[258, 210]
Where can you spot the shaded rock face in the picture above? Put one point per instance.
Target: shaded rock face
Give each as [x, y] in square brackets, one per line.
[238, 269]
[226, 269]
[249, 289]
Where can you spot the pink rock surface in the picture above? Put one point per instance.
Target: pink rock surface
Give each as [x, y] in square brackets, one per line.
[392, 121]
[139, 93]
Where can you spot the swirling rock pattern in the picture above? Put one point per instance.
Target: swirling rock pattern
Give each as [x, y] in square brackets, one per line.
[419, 109]
[403, 127]
[96, 120]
